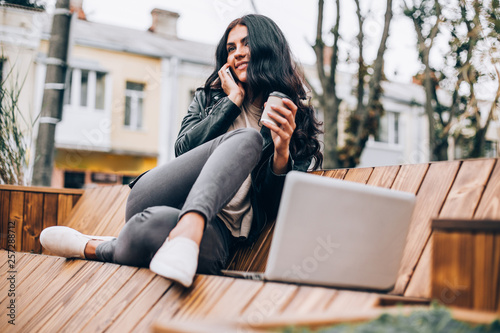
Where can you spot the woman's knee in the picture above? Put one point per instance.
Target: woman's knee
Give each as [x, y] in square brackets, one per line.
[144, 234]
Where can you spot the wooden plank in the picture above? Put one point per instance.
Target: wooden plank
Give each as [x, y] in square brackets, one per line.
[238, 296]
[360, 175]
[337, 173]
[4, 218]
[310, 300]
[134, 313]
[383, 176]
[5, 263]
[165, 308]
[452, 268]
[271, 300]
[79, 215]
[33, 283]
[461, 202]
[410, 178]
[490, 226]
[41, 189]
[99, 299]
[467, 189]
[66, 308]
[430, 198]
[244, 256]
[352, 301]
[21, 269]
[64, 207]
[259, 262]
[200, 300]
[420, 283]
[33, 222]
[496, 271]
[484, 285]
[16, 215]
[114, 219]
[50, 209]
[50, 283]
[44, 308]
[88, 218]
[119, 302]
[489, 206]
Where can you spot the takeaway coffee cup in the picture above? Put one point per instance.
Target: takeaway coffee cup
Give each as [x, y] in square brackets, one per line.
[275, 99]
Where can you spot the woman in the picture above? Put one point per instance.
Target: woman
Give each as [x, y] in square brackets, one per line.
[225, 184]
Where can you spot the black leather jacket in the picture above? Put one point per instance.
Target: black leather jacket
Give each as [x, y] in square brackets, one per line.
[206, 122]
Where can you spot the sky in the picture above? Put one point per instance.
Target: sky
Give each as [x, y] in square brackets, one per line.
[206, 20]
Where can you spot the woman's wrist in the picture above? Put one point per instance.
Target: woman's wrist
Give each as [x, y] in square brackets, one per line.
[280, 163]
[236, 98]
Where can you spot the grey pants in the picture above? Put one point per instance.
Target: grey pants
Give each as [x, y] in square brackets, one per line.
[202, 180]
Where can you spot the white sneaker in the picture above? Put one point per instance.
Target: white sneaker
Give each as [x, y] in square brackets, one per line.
[67, 242]
[177, 259]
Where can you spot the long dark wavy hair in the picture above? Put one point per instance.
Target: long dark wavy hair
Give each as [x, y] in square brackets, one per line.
[271, 68]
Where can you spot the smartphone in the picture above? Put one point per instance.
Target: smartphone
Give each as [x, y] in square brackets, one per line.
[228, 71]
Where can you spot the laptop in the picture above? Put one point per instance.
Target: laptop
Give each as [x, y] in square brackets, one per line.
[337, 233]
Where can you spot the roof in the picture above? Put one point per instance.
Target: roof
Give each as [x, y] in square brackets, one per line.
[121, 39]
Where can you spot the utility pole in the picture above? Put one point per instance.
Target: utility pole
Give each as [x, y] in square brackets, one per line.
[53, 94]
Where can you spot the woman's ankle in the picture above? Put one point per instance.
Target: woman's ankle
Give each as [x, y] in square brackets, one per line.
[191, 225]
[90, 249]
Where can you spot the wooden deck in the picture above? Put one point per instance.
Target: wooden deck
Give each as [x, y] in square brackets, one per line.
[58, 295]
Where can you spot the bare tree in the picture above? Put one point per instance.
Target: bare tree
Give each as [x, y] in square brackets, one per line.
[364, 121]
[426, 17]
[328, 99]
[473, 28]
[482, 23]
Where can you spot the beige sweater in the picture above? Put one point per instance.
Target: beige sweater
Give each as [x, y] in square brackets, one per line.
[237, 214]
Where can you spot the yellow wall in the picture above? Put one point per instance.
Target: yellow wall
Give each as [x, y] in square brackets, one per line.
[103, 162]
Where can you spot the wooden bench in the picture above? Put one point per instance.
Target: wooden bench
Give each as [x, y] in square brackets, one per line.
[66, 295]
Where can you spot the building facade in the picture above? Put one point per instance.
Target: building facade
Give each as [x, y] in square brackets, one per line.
[126, 93]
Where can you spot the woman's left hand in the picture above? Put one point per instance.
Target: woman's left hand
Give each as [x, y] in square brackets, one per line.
[282, 134]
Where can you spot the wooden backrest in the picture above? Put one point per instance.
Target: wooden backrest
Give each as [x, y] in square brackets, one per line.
[100, 211]
[458, 189]
[26, 211]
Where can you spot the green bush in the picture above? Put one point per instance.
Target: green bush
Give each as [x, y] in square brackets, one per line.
[435, 320]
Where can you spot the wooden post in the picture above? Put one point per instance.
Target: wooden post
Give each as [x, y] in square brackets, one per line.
[466, 263]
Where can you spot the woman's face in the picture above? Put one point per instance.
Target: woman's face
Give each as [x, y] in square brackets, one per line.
[238, 52]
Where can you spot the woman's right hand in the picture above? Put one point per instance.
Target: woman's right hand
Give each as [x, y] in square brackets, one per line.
[233, 90]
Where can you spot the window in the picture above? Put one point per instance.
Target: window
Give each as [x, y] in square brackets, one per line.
[128, 179]
[104, 178]
[74, 179]
[388, 131]
[86, 88]
[134, 98]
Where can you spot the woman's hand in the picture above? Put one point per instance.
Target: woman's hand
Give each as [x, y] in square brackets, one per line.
[282, 134]
[233, 90]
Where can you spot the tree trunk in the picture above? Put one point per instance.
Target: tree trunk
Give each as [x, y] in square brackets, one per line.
[329, 101]
[368, 121]
[53, 94]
